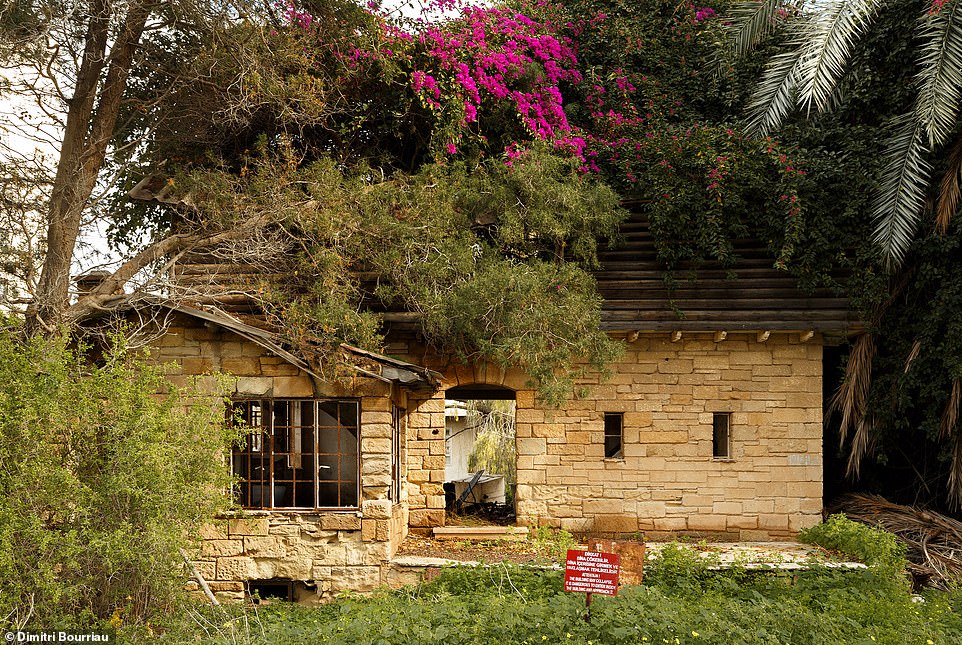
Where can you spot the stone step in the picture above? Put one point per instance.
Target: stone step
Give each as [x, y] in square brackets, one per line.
[481, 533]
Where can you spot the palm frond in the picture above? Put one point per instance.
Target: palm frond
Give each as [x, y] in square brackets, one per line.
[863, 440]
[901, 197]
[955, 473]
[950, 190]
[748, 23]
[827, 46]
[809, 72]
[851, 398]
[940, 75]
[774, 96]
[950, 415]
[913, 354]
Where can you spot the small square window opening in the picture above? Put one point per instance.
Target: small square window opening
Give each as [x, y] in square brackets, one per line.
[721, 438]
[614, 441]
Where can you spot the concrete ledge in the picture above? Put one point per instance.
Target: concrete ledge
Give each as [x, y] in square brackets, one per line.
[419, 561]
[480, 533]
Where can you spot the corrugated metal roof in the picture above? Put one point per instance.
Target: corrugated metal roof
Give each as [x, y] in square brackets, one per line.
[388, 369]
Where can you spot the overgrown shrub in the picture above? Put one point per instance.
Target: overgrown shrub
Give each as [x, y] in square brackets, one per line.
[873, 546]
[677, 566]
[105, 470]
[551, 542]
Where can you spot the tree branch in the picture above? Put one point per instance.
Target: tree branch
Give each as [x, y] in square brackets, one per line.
[106, 291]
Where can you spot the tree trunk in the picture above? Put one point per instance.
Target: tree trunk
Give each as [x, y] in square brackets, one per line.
[87, 135]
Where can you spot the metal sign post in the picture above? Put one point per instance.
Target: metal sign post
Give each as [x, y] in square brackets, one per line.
[591, 572]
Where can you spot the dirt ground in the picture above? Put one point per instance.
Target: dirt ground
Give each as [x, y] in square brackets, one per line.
[517, 552]
[532, 551]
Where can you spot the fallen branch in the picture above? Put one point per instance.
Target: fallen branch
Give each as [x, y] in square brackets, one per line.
[200, 579]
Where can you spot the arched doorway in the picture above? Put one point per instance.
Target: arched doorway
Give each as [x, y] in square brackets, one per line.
[480, 452]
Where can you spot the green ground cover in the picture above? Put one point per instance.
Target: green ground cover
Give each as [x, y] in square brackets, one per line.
[509, 605]
[682, 601]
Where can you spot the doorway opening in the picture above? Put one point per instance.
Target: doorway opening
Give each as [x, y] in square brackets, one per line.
[480, 453]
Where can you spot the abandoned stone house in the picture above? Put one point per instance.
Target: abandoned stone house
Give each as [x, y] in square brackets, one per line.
[710, 425]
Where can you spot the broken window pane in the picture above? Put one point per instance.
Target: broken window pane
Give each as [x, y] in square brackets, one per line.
[302, 454]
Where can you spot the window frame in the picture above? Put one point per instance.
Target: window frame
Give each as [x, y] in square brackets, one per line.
[715, 430]
[619, 454]
[261, 444]
[398, 439]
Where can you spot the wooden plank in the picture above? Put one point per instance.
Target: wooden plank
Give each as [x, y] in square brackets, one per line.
[728, 303]
[214, 267]
[730, 325]
[649, 253]
[798, 316]
[651, 271]
[730, 290]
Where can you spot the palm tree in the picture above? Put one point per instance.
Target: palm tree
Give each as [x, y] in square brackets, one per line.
[807, 76]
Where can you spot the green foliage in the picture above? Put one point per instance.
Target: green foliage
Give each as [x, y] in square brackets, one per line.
[502, 604]
[916, 370]
[679, 566]
[873, 546]
[491, 253]
[912, 313]
[494, 444]
[493, 258]
[101, 482]
[551, 542]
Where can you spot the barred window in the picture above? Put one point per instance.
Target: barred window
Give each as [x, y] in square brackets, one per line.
[301, 454]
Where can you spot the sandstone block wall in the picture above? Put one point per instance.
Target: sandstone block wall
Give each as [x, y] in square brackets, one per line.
[667, 481]
[327, 551]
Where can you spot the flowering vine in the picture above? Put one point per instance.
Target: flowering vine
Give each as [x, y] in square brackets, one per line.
[491, 56]
[492, 80]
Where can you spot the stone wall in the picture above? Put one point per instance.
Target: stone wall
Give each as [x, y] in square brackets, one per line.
[667, 482]
[326, 551]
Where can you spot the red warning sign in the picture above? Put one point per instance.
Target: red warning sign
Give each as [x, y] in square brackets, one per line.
[591, 572]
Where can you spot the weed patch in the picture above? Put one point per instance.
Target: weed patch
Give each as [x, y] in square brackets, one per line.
[874, 547]
[683, 601]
